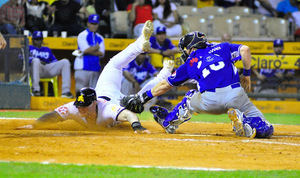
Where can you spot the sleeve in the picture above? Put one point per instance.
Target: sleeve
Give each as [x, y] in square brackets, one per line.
[170, 45]
[153, 42]
[235, 51]
[82, 42]
[52, 57]
[111, 111]
[129, 7]
[129, 66]
[173, 7]
[65, 110]
[102, 46]
[155, 10]
[180, 76]
[280, 7]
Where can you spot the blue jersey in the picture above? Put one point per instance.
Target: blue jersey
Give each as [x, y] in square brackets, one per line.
[211, 67]
[44, 54]
[166, 45]
[141, 72]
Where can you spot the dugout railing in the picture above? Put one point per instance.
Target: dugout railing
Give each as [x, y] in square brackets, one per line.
[14, 73]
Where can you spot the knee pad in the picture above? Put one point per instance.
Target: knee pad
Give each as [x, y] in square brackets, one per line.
[263, 128]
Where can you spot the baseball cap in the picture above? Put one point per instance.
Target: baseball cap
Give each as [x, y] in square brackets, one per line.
[278, 43]
[93, 18]
[160, 30]
[37, 35]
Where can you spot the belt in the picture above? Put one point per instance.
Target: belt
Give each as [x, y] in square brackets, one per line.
[104, 97]
[235, 85]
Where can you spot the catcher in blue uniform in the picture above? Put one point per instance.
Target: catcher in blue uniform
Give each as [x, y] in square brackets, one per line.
[220, 88]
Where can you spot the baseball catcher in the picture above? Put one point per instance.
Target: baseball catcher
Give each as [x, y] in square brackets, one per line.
[219, 88]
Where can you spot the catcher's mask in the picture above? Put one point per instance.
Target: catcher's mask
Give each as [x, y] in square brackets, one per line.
[191, 40]
[86, 97]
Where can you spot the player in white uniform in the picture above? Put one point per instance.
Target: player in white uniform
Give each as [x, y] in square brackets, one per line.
[105, 110]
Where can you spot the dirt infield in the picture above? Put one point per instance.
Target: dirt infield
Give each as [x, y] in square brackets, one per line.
[197, 145]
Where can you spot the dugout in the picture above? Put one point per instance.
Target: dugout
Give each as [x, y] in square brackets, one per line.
[63, 48]
[14, 70]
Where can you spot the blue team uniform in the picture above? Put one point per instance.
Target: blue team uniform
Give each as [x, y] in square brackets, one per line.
[141, 72]
[218, 84]
[166, 45]
[211, 67]
[44, 54]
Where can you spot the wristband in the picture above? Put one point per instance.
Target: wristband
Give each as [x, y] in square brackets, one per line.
[149, 94]
[246, 72]
[137, 126]
[146, 96]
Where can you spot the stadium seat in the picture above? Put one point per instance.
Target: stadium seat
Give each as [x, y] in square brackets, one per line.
[45, 81]
[219, 25]
[212, 10]
[246, 27]
[196, 23]
[239, 10]
[120, 24]
[187, 11]
[277, 28]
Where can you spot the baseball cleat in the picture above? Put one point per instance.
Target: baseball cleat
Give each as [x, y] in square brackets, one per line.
[168, 64]
[249, 132]
[236, 117]
[159, 114]
[146, 34]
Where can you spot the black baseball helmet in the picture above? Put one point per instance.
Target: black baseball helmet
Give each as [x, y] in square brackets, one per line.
[194, 39]
[86, 96]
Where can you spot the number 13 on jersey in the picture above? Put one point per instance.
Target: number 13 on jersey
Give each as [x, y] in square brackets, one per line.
[212, 67]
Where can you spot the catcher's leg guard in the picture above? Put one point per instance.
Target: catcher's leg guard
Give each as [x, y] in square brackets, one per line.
[181, 112]
[263, 128]
[160, 114]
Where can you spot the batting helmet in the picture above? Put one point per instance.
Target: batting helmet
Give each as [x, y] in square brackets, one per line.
[191, 40]
[86, 97]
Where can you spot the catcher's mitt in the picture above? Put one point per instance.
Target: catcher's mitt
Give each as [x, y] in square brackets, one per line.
[245, 82]
[132, 103]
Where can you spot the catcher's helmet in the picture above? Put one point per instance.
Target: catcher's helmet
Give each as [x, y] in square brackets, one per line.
[192, 40]
[86, 97]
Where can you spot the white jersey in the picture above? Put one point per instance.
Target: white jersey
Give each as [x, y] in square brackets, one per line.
[107, 114]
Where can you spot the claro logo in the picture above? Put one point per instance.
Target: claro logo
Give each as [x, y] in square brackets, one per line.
[65, 43]
[274, 62]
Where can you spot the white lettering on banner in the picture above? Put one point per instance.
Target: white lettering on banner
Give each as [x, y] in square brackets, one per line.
[40, 54]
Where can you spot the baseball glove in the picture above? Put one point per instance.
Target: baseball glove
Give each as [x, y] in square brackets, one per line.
[245, 82]
[132, 103]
